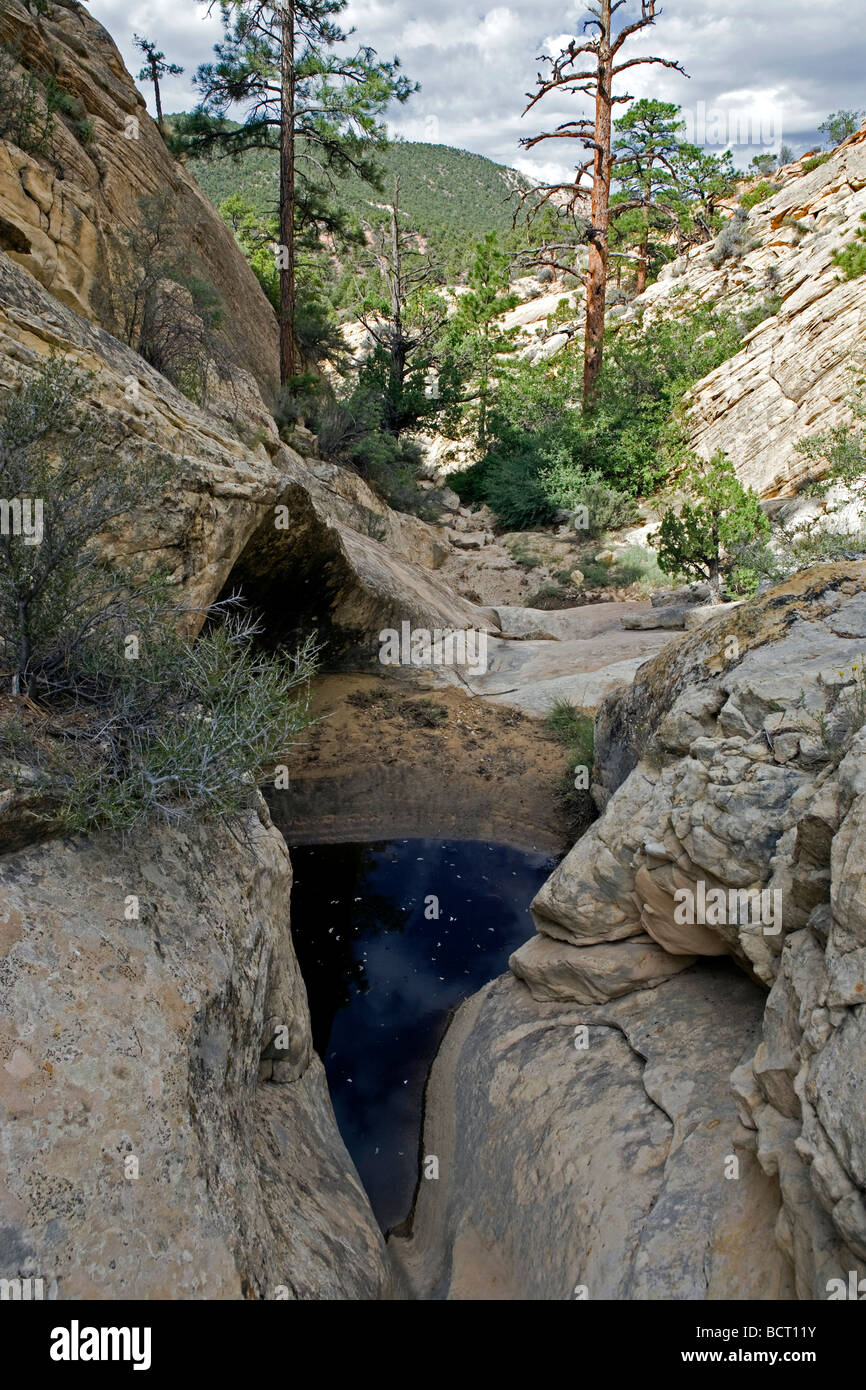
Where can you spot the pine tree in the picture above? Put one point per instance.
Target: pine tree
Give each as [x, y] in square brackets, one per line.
[646, 148]
[590, 67]
[405, 318]
[154, 68]
[483, 341]
[285, 63]
[703, 179]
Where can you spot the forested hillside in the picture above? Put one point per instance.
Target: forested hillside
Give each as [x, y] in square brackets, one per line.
[451, 197]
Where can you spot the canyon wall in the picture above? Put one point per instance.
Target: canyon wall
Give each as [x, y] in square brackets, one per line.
[166, 1127]
[792, 377]
[65, 213]
[651, 1108]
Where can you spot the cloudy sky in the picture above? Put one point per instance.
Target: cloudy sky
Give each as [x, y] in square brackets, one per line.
[760, 71]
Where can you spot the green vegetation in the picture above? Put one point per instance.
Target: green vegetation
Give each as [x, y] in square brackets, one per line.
[138, 723]
[602, 508]
[573, 729]
[734, 239]
[809, 165]
[758, 194]
[635, 565]
[481, 343]
[544, 454]
[576, 731]
[30, 103]
[704, 539]
[840, 453]
[852, 259]
[840, 125]
[25, 120]
[451, 198]
[161, 302]
[846, 715]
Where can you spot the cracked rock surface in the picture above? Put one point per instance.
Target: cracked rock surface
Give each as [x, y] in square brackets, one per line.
[736, 762]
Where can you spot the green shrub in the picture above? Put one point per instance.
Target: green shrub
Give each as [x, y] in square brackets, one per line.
[734, 240]
[851, 260]
[815, 162]
[25, 118]
[152, 725]
[607, 508]
[752, 563]
[840, 453]
[189, 731]
[636, 565]
[541, 439]
[758, 194]
[702, 540]
[576, 731]
[749, 319]
[814, 544]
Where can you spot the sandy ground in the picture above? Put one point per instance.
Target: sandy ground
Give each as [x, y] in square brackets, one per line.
[396, 756]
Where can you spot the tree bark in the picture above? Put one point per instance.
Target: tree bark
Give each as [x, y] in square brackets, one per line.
[158, 97]
[288, 348]
[596, 279]
[643, 253]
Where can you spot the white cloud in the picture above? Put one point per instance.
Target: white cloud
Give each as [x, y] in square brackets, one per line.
[776, 63]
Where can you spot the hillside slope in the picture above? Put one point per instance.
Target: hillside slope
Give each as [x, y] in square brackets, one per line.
[452, 197]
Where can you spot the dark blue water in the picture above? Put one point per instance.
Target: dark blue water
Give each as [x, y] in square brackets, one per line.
[382, 977]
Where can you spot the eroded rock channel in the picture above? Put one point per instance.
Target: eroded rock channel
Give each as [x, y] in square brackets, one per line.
[391, 937]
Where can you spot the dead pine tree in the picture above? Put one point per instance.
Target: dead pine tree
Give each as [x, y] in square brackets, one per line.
[590, 67]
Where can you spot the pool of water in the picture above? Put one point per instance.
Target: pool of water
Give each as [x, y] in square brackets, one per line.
[390, 938]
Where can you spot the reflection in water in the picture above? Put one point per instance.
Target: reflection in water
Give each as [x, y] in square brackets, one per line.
[383, 973]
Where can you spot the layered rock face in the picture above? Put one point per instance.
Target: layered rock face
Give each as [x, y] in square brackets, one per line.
[733, 778]
[63, 214]
[792, 376]
[166, 1127]
[309, 541]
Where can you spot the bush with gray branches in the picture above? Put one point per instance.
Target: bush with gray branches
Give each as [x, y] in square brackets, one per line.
[137, 722]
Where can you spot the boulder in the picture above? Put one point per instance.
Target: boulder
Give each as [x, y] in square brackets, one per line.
[587, 1152]
[737, 778]
[593, 974]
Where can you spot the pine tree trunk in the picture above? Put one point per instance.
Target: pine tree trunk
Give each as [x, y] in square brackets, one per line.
[596, 280]
[288, 350]
[158, 96]
[643, 253]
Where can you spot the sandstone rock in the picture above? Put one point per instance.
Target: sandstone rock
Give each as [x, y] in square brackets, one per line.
[671, 616]
[167, 1128]
[791, 378]
[554, 970]
[690, 594]
[468, 540]
[722, 773]
[309, 542]
[591, 656]
[65, 214]
[607, 1163]
[700, 614]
